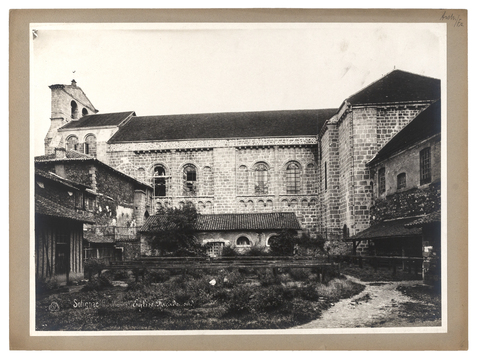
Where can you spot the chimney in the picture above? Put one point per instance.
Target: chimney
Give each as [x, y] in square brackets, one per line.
[60, 153]
[74, 83]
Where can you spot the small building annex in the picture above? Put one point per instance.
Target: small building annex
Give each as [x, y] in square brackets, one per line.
[59, 226]
[406, 172]
[117, 203]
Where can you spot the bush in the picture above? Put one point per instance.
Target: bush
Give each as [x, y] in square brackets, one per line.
[97, 284]
[302, 310]
[284, 243]
[94, 266]
[266, 278]
[268, 299]
[308, 293]
[299, 274]
[229, 250]
[256, 251]
[239, 299]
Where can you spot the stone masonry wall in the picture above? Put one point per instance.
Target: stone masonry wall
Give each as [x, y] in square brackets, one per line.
[225, 178]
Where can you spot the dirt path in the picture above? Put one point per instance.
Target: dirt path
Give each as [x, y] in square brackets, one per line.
[376, 306]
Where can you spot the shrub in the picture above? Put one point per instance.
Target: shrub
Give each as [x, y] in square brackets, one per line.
[230, 279]
[299, 274]
[256, 251]
[284, 243]
[94, 266]
[229, 250]
[238, 302]
[267, 299]
[302, 310]
[266, 278]
[97, 284]
[308, 293]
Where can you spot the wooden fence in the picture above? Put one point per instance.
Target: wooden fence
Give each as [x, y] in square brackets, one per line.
[320, 265]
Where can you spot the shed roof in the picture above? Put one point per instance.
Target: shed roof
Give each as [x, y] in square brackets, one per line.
[99, 120]
[46, 207]
[389, 229]
[426, 124]
[234, 221]
[433, 217]
[398, 86]
[223, 125]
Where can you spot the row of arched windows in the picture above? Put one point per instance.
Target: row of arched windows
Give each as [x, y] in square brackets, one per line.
[88, 146]
[294, 179]
[190, 180]
[256, 181]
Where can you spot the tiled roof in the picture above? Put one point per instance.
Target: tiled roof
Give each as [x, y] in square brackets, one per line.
[69, 155]
[59, 179]
[235, 221]
[74, 156]
[46, 207]
[398, 86]
[99, 120]
[99, 238]
[389, 229]
[434, 217]
[223, 125]
[424, 125]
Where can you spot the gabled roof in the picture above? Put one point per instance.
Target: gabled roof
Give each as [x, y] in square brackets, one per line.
[69, 155]
[46, 207]
[99, 120]
[389, 229]
[223, 125]
[234, 221]
[60, 180]
[426, 124]
[398, 86]
[74, 156]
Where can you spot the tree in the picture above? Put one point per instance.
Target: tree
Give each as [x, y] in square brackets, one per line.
[172, 232]
[284, 243]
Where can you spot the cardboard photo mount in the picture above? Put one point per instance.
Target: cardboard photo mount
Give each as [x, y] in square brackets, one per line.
[456, 337]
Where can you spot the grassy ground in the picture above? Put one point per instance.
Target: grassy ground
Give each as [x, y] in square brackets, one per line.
[219, 300]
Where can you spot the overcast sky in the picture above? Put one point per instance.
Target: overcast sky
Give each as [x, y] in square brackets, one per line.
[194, 68]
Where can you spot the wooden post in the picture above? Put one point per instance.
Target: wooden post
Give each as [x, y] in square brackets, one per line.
[360, 261]
[375, 263]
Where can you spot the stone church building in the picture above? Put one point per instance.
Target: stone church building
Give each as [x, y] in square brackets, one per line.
[310, 163]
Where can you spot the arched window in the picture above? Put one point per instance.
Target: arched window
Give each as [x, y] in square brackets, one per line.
[72, 143]
[270, 239]
[261, 178]
[243, 241]
[159, 181]
[190, 180]
[90, 145]
[84, 112]
[293, 178]
[73, 110]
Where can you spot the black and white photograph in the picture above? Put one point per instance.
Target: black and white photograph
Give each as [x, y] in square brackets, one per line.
[238, 177]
